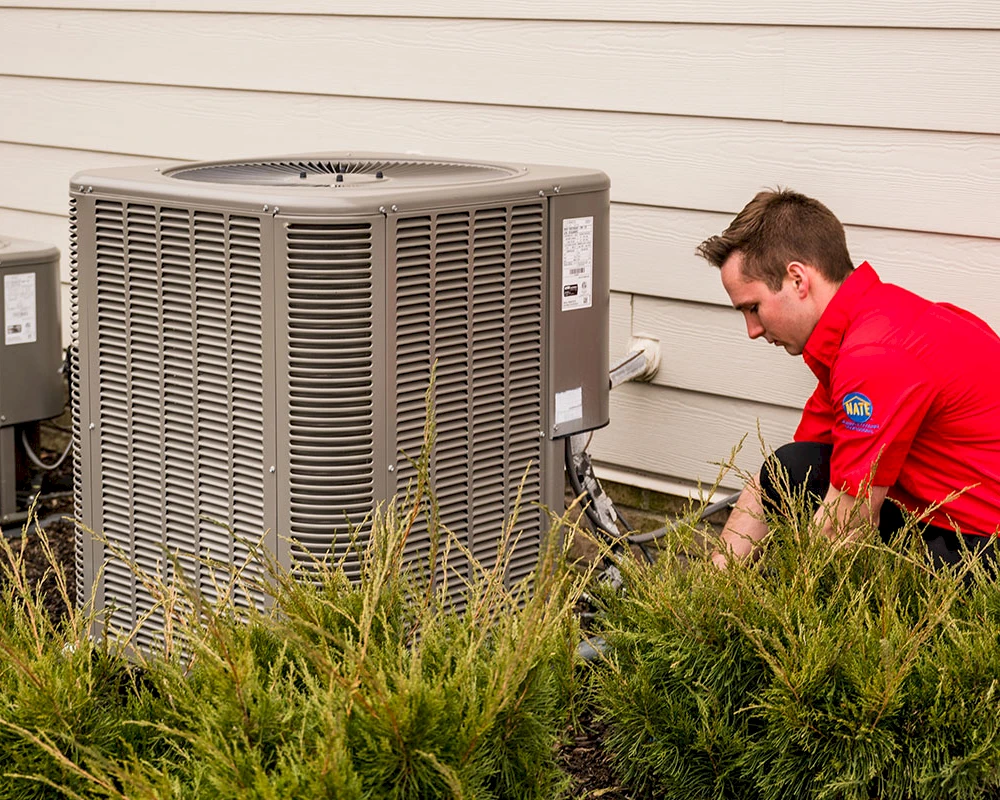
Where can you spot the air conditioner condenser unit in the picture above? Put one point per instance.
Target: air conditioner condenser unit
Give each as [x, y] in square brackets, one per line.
[253, 340]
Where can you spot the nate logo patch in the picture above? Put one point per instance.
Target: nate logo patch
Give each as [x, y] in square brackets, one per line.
[858, 409]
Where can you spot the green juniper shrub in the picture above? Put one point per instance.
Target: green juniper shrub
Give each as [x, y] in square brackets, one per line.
[957, 754]
[672, 690]
[382, 689]
[390, 687]
[247, 719]
[66, 702]
[824, 670]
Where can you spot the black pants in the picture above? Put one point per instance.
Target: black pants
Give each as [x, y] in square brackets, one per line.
[808, 464]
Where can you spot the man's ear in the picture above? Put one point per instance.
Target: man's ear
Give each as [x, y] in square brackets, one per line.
[800, 275]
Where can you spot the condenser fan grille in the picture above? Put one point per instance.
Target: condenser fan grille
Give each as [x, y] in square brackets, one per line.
[344, 173]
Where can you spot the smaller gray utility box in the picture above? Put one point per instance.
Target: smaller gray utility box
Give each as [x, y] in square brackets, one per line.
[31, 386]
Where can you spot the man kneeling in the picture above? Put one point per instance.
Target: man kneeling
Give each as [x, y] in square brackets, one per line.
[906, 412]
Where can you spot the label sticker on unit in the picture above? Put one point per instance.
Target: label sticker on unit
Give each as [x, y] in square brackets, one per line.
[577, 263]
[19, 317]
[569, 405]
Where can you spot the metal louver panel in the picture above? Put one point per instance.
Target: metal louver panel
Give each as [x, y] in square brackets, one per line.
[330, 389]
[523, 384]
[470, 295]
[79, 510]
[181, 387]
[119, 583]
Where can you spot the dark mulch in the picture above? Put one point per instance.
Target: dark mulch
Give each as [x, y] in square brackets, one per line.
[53, 513]
[583, 757]
[60, 534]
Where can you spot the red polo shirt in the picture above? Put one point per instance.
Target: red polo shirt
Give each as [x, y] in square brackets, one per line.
[909, 395]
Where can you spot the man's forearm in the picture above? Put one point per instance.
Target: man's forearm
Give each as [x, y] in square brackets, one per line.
[744, 528]
[843, 515]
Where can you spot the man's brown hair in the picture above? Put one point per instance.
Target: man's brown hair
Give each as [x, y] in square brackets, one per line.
[776, 228]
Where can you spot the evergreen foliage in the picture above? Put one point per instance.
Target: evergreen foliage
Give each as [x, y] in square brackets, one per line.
[381, 689]
[824, 670]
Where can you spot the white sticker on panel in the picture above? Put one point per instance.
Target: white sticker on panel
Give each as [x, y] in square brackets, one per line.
[569, 405]
[20, 317]
[577, 263]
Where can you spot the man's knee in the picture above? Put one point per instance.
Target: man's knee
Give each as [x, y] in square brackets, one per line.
[793, 466]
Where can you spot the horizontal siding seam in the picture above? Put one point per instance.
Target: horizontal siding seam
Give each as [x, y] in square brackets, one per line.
[539, 17]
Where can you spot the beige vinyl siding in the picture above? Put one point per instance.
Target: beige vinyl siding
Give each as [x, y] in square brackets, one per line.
[654, 255]
[927, 79]
[977, 14]
[620, 322]
[912, 180]
[524, 63]
[887, 111]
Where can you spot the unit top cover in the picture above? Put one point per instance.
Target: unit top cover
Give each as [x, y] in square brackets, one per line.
[15, 252]
[348, 183]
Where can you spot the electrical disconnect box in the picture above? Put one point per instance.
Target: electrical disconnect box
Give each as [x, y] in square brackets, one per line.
[253, 341]
[31, 382]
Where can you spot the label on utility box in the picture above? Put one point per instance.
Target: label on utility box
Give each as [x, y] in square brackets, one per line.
[569, 406]
[20, 325]
[577, 263]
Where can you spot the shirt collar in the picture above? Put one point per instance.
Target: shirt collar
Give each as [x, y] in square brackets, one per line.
[826, 338]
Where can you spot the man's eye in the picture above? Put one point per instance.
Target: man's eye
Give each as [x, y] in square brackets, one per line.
[752, 309]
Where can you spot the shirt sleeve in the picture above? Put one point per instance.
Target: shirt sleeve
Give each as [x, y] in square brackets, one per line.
[816, 424]
[881, 397]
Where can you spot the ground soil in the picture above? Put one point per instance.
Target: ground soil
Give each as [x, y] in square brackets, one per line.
[589, 767]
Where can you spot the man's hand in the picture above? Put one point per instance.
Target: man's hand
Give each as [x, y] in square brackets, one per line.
[841, 515]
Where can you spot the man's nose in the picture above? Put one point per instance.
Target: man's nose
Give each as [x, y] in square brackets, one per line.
[754, 329]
